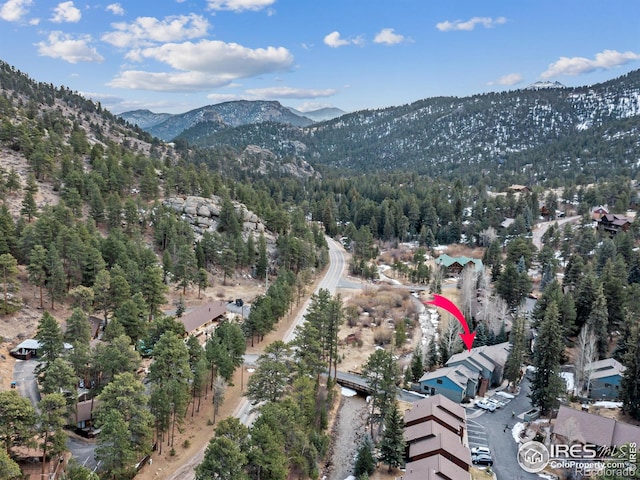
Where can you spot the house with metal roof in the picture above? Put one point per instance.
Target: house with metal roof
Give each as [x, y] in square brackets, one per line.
[197, 320]
[573, 425]
[468, 373]
[455, 265]
[605, 377]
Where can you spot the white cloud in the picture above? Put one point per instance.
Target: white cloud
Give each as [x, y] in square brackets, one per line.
[239, 5]
[334, 40]
[388, 36]
[168, 81]
[66, 12]
[202, 65]
[604, 60]
[510, 79]
[14, 10]
[115, 8]
[72, 50]
[469, 25]
[214, 56]
[143, 31]
[289, 92]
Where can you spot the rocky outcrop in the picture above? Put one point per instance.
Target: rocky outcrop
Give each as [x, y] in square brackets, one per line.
[203, 214]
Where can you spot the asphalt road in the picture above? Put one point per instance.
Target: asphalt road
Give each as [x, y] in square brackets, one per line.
[541, 228]
[24, 376]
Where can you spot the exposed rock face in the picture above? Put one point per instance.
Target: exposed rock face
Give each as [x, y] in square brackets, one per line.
[204, 213]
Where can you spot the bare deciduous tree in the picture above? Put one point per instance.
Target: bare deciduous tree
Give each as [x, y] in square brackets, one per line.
[586, 354]
[468, 284]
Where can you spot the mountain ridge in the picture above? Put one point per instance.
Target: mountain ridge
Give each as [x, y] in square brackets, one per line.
[441, 133]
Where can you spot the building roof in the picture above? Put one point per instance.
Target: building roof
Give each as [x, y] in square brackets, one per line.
[458, 374]
[615, 219]
[605, 368]
[447, 261]
[489, 356]
[436, 467]
[439, 406]
[424, 430]
[590, 428]
[448, 442]
[33, 344]
[507, 222]
[85, 410]
[203, 315]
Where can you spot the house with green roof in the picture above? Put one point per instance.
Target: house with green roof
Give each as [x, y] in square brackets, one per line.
[455, 265]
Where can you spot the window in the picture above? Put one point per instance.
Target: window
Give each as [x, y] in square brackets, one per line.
[439, 381]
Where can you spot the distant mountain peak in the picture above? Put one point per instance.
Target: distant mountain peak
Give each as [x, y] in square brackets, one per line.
[548, 84]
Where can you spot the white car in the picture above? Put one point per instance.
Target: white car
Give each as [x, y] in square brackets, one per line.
[486, 405]
[480, 451]
[505, 395]
[497, 403]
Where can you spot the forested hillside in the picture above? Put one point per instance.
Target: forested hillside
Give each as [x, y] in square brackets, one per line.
[533, 134]
[83, 231]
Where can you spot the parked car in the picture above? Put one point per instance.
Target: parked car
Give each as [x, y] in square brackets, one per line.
[505, 394]
[480, 451]
[486, 405]
[482, 460]
[497, 403]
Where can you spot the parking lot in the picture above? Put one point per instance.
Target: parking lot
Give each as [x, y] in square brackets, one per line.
[493, 430]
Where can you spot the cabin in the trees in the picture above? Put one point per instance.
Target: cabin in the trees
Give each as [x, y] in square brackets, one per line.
[598, 212]
[30, 348]
[614, 223]
[197, 321]
[454, 265]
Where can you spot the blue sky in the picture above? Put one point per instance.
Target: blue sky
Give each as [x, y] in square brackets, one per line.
[175, 55]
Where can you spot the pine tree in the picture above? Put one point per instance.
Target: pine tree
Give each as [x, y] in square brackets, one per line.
[630, 393]
[49, 335]
[517, 350]
[37, 268]
[597, 322]
[417, 364]
[365, 463]
[392, 446]
[546, 386]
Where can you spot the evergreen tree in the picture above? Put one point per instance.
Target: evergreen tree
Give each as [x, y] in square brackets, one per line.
[630, 392]
[597, 322]
[432, 359]
[56, 279]
[37, 268]
[52, 419]
[365, 463]
[392, 446]
[263, 261]
[517, 350]
[417, 364]
[49, 335]
[9, 469]
[29, 208]
[223, 460]
[8, 274]
[381, 372]
[547, 386]
[185, 267]
[18, 420]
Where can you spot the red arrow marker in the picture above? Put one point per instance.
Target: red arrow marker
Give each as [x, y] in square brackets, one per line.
[446, 304]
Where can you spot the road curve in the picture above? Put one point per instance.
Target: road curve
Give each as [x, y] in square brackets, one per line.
[337, 264]
[541, 229]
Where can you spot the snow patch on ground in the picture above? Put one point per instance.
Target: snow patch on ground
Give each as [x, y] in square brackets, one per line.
[516, 431]
[608, 404]
[569, 379]
[347, 392]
